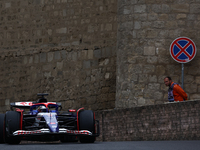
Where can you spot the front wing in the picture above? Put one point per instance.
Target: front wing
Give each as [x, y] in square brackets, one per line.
[47, 131]
[61, 131]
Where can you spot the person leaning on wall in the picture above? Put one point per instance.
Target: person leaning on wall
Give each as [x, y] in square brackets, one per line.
[175, 92]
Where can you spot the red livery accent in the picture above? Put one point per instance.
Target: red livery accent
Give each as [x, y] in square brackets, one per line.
[72, 110]
[21, 116]
[77, 116]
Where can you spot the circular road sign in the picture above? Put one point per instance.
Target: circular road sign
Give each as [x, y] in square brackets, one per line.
[183, 50]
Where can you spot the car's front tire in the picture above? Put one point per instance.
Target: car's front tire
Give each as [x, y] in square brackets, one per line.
[12, 124]
[87, 122]
[1, 127]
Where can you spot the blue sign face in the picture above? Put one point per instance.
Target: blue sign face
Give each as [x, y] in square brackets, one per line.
[183, 50]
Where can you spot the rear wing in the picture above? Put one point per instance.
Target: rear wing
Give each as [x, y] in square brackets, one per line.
[27, 105]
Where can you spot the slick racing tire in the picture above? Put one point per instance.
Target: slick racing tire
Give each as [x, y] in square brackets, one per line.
[87, 122]
[1, 128]
[12, 124]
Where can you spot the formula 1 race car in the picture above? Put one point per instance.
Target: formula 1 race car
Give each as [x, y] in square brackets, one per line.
[44, 121]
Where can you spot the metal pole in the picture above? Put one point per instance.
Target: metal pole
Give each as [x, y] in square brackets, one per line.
[182, 75]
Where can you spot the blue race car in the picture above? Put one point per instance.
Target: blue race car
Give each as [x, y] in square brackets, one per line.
[44, 121]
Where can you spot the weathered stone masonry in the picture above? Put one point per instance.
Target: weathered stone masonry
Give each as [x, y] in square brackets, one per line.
[66, 48]
[173, 121]
[146, 30]
[69, 49]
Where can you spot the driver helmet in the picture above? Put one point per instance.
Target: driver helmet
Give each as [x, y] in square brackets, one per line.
[42, 109]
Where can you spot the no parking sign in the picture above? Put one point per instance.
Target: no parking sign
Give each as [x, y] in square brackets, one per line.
[183, 50]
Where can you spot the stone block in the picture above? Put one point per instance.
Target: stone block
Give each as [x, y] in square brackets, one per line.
[181, 16]
[180, 8]
[139, 8]
[195, 8]
[131, 59]
[135, 68]
[57, 55]
[157, 8]
[84, 54]
[166, 8]
[59, 65]
[160, 69]
[137, 25]
[171, 24]
[86, 64]
[159, 24]
[47, 67]
[197, 79]
[151, 33]
[189, 79]
[108, 27]
[25, 60]
[145, 24]
[104, 62]
[152, 59]
[97, 53]
[141, 101]
[152, 16]
[7, 102]
[164, 59]
[74, 56]
[90, 54]
[158, 95]
[190, 88]
[7, 5]
[194, 96]
[148, 69]
[47, 74]
[163, 17]
[141, 17]
[61, 30]
[153, 79]
[50, 56]
[150, 50]
[36, 59]
[138, 51]
[94, 63]
[63, 54]
[143, 78]
[127, 10]
[75, 43]
[42, 57]
[30, 60]
[154, 86]
[126, 25]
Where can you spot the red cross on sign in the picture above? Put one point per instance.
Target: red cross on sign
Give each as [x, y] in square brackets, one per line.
[183, 50]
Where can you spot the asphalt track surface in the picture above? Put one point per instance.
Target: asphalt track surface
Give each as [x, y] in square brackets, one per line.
[128, 145]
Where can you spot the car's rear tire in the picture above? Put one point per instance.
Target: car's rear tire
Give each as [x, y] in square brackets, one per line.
[87, 122]
[1, 127]
[12, 124]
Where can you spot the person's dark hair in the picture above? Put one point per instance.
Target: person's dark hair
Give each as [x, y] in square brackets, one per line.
[168, 78]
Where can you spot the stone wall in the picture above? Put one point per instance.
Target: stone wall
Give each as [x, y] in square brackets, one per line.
[66, 48]
[146, 30]
[95, 53]
[172, 121]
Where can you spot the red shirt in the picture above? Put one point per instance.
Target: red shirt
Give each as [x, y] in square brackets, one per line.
[179, 93]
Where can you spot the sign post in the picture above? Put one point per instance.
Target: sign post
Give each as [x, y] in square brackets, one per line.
[182, 75]
[182, 50]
